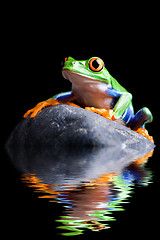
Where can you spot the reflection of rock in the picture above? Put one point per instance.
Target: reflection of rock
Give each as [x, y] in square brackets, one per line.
[64, 143]
[89, 204]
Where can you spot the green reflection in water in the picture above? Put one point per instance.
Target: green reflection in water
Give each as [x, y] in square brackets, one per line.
[91, 204]
[121, 187]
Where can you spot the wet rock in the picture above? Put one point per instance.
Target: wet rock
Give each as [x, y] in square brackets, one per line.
[64, 145]
[68, 127]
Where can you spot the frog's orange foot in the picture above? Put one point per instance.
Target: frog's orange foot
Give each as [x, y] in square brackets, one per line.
[102, 111]
[144, 133]
[40, 106]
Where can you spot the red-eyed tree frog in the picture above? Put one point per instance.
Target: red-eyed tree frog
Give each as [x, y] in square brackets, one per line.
[93, 86]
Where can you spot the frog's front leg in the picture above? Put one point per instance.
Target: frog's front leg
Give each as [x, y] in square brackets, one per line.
[40, 106]
[123, 102]
[65, 97]
[57, 99]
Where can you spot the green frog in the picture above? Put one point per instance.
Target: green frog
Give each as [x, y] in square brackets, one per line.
[94, 89]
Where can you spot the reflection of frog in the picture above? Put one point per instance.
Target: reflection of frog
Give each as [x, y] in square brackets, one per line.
[93, 86]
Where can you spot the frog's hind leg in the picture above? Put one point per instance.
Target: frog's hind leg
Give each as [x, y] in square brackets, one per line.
[142, 117]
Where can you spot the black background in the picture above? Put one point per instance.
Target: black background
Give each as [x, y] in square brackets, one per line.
[34, 46]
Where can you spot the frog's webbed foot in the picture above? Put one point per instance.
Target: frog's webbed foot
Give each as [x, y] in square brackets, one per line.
[102, 111]
[40, 106]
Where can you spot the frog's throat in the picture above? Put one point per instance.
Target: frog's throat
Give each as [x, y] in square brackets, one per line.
[88, 91]
[79, 78]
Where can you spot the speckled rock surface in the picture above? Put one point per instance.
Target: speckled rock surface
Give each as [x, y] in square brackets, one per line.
[65, 144]
[71, 127]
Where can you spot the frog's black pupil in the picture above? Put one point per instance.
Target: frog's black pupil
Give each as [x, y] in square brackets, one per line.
[95, 64]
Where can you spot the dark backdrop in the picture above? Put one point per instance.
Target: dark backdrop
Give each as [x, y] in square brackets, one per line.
[31, 66]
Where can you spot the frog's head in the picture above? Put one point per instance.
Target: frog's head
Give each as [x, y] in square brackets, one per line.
[85, 70]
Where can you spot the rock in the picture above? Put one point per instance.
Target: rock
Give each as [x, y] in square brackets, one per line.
[65, 142]
[64, 126]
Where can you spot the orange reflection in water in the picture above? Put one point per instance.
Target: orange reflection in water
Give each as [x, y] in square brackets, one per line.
[91, 202]
[34, 182]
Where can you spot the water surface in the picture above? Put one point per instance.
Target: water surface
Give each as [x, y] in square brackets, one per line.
[91, 186]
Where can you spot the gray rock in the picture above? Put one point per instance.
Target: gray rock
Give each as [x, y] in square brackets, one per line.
[65, 144]
[64, 126]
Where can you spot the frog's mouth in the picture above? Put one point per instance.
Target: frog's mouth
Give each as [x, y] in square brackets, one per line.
[78, 78]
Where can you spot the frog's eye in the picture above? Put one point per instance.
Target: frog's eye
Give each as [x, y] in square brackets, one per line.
[66, 58]
[96, 64]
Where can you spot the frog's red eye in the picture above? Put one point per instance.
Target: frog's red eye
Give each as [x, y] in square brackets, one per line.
[96, 64]
[66, 58]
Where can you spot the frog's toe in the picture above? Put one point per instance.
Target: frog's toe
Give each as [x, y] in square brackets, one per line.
[148, 114]
[39, 107]
[27, 113]
[34, 110]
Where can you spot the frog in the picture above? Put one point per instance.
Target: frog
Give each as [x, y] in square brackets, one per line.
[94, 89]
